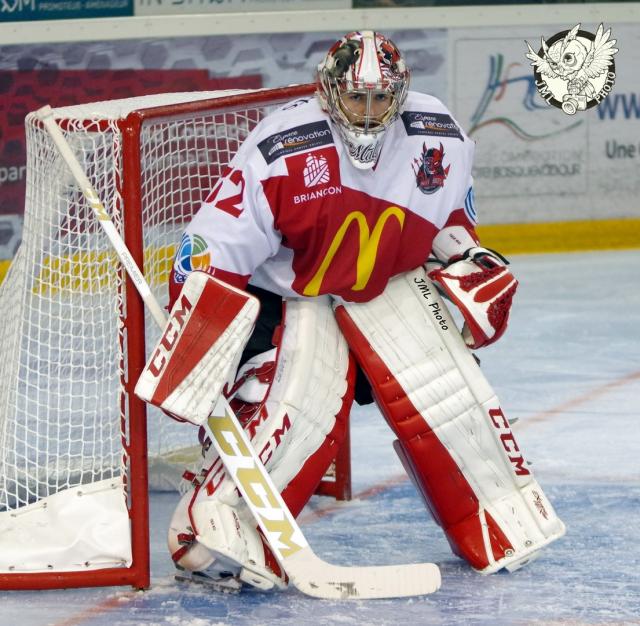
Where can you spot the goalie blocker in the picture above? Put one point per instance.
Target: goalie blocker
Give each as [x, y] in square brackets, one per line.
[197, 352]
[453, 438]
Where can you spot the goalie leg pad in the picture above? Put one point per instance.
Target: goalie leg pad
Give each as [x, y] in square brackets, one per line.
[296, 429]
[307, 401]
[453, 436]
[207, 330]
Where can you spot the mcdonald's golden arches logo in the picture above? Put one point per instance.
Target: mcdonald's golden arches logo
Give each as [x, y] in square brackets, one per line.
[369, 241]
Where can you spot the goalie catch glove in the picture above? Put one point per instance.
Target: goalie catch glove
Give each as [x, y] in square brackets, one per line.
[482, 287]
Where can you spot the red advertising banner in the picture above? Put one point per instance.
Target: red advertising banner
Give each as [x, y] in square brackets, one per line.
[25, 91]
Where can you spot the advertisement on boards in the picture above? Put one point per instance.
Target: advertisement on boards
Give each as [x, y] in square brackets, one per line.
[182, 7]
[29, 10]
[77, 73]
[555, 114]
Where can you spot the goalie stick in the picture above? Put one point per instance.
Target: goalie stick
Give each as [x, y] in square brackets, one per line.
[306, 571]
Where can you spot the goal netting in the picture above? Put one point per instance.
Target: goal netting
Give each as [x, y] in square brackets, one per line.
[73, 437]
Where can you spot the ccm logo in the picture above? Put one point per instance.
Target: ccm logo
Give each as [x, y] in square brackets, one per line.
[508, 441]
[169, 339]
[274, 441]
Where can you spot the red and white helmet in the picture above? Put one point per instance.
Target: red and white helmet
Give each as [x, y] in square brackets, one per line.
[370, 65]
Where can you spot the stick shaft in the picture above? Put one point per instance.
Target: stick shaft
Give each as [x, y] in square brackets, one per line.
[46, 116]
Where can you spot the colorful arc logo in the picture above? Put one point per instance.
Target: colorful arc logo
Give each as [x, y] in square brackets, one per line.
[193, 254]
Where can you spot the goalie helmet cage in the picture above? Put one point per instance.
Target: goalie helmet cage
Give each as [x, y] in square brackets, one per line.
[76, 456]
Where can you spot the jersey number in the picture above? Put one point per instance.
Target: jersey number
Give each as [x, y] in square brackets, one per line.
[231, 204]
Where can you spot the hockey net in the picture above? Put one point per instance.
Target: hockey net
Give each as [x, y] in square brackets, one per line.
[74, 441]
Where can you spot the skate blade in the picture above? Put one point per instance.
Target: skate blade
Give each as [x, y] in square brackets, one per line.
[222, 585]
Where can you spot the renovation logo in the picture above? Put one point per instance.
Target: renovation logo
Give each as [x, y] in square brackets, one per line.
[294, 140]
[574, 70]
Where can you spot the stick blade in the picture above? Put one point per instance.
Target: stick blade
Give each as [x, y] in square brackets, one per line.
[315, 577]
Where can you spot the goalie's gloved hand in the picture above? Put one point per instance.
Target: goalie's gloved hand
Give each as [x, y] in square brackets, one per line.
[482, 287]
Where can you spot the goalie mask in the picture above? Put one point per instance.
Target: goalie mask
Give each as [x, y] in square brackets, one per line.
[362, 84]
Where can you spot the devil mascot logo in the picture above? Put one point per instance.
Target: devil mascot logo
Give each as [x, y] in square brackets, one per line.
[429, 170]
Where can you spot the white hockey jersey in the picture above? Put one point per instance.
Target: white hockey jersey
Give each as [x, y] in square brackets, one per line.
[294, 216]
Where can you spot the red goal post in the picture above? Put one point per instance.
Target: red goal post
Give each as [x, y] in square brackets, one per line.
[76, 456]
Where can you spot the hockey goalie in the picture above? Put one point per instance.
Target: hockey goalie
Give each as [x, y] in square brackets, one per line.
[314, 274]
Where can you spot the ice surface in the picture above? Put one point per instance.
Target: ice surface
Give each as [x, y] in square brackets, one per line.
[569, 369]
